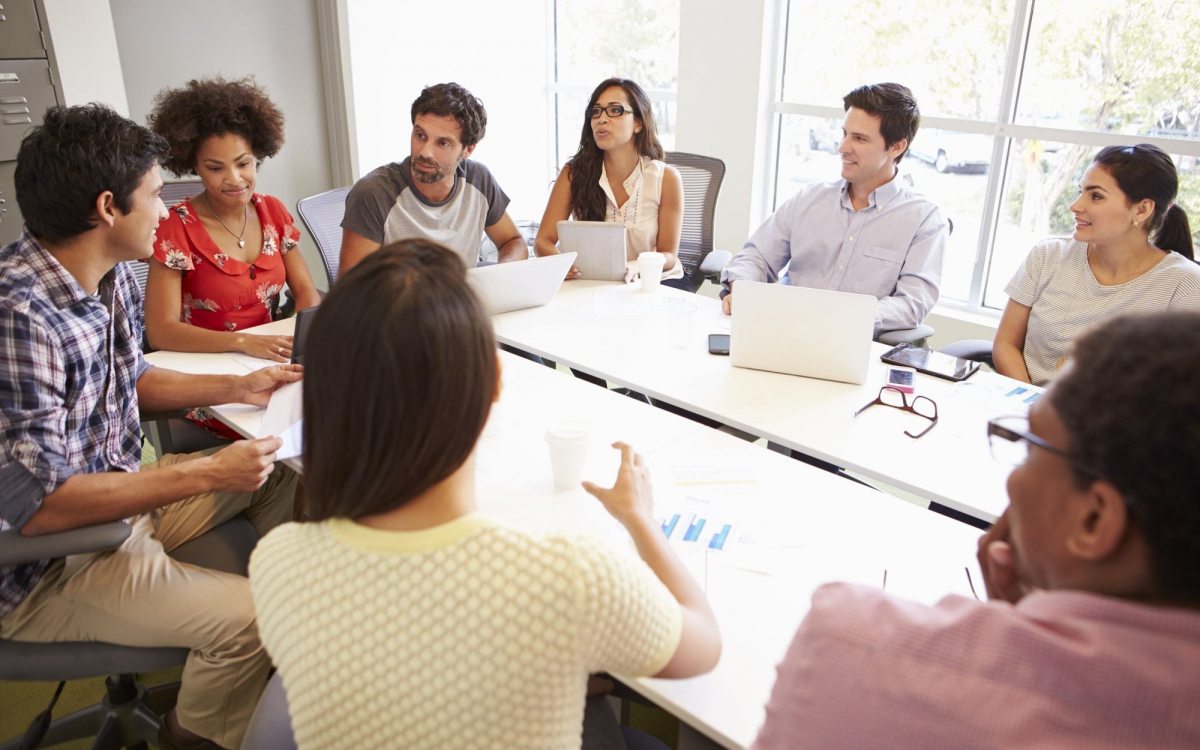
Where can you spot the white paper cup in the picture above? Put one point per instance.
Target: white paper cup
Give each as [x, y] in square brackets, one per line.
[567, 440]
[650, 268]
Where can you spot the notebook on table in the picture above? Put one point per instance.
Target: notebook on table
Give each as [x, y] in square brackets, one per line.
[815, 333]
[600, 246]
[504, 287]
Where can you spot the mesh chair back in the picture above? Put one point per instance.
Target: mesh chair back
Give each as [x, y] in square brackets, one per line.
[322, 216]
[702, 176]
[174, 191]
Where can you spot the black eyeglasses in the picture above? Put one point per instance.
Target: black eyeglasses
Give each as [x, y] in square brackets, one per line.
[1009, 440]
[922, 406]
[613, 110]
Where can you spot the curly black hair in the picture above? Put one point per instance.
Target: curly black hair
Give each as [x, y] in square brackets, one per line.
[452, 100]
[188, 116]
[1131, 407]
[71, 158]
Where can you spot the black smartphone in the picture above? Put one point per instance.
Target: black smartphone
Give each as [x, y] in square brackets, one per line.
[718, 343]
[930, 362]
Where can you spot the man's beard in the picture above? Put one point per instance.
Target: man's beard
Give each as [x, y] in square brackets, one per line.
[428, 177]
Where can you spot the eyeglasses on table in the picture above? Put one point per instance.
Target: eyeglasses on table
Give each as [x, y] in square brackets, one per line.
[922, 406]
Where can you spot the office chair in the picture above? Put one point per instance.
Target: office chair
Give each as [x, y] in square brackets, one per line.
[976, 350]
[322, 216]
[129, 712]
[702, 177]
[271, 725]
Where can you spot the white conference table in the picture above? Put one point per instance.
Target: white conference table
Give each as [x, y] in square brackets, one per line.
[795, 527]
[636, 339]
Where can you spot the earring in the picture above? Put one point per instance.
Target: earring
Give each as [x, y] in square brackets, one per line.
[1135, 222]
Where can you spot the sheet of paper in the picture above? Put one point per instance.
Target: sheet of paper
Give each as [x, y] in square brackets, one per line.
[997, 394]
[253, 363]
[284, 417]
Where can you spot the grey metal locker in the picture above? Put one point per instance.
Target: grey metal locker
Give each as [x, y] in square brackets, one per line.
[20, 32]
[26, 91]
[10, 215]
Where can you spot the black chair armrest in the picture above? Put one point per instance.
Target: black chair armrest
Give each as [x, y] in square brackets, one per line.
[15, 548]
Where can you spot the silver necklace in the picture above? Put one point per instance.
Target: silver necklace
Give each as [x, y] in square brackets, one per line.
[245, 220]
[622, 213]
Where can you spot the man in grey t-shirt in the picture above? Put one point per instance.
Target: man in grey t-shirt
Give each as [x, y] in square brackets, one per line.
[435, 193]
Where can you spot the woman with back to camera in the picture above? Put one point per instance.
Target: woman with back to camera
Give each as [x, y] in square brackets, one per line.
[618, 175]
[222, 258]
[435, 625]
[1131, 252]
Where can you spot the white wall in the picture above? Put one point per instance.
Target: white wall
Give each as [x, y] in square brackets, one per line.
[498, 51]
[725, 84]
[85, 53]
[165, 44]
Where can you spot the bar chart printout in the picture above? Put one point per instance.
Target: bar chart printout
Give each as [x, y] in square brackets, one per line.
[697, 529]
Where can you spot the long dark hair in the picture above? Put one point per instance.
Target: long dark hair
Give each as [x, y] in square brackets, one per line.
[399, 377]
[1145, 171]
[587, 198]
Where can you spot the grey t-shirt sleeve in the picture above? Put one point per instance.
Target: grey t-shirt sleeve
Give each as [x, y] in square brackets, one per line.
[368, 205]
[481, 178]
[1025, 285]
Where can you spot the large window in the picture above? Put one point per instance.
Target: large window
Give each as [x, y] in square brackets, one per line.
[1016, 96]
[598, 39]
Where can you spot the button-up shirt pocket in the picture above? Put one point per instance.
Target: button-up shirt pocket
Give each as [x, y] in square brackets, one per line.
[876, 270]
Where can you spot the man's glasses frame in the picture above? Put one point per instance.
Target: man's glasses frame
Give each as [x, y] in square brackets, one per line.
[997, 430]
[904, 405]
[612, 110]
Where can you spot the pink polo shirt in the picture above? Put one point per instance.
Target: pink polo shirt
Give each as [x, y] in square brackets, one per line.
[1060, 669]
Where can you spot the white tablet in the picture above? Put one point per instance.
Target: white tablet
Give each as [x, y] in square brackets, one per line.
[600, 246]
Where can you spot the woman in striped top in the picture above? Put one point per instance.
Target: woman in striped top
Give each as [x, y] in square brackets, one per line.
[1131, 252]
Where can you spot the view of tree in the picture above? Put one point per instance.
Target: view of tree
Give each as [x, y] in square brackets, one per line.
[627, 38]
[1121, 67]
[1114, 66]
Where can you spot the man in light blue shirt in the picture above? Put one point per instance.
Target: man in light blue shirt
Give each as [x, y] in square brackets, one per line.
[865, 233]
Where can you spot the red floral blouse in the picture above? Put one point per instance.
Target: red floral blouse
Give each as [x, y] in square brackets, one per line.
[222, 293]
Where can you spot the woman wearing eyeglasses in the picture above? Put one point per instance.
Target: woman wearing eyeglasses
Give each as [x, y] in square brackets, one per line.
[1131, 252]
[618, 175]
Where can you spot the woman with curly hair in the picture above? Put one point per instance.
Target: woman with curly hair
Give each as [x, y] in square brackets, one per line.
[618, 175]
[222, 258]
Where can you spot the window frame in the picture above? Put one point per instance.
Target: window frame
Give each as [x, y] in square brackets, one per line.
[1004, 130]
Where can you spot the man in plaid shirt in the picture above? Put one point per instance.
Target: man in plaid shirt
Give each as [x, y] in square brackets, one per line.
[72, 378]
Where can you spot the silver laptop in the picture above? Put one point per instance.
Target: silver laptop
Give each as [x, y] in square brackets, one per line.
[600, 246]
[815, 333]
[504, 287]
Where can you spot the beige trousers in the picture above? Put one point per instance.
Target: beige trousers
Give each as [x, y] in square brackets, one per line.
[138, 596]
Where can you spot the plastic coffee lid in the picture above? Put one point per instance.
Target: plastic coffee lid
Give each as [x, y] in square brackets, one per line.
[567, 431]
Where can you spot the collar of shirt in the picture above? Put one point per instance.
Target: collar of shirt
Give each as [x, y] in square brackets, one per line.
[630, 184]
[61, 287]
[879, 197]
[1063, 605]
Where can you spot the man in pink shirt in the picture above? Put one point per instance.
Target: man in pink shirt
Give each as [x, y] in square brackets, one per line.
[1091, 635]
